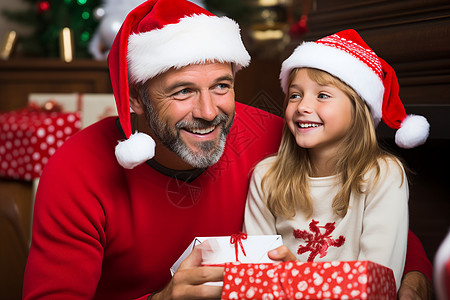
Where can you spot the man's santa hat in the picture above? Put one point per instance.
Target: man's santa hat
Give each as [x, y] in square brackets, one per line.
[159, 35]
[346, 56]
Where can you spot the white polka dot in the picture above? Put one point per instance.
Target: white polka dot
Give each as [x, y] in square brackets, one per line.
[68, 130]
[37, 168]
[47, 121]
[59, 134]
[43, 146]
[50, 139]
[59, 122]
[40, 132]
[36, 156]
[71, 118]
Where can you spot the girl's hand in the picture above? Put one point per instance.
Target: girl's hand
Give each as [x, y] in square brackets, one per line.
[282, 253]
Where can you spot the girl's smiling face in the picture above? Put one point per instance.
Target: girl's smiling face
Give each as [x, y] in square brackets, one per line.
[318, 116]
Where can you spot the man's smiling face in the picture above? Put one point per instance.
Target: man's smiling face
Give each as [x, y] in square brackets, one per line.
[190, 111]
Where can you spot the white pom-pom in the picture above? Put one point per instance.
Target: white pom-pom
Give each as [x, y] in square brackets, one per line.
[413, 132]
[137, 149]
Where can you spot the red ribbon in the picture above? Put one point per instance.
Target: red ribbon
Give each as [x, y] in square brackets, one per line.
[235, 239]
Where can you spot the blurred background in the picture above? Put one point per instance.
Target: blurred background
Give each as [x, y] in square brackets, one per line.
[53, 55]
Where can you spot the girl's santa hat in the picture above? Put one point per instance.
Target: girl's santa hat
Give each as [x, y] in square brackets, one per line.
[159, 35]
[346, 56]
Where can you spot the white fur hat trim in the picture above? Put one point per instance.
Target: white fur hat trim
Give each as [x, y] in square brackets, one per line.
[342, 65]
[137, 149]
[195, 39]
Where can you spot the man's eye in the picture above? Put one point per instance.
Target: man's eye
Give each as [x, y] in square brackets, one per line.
[182, 92]
[222, 88]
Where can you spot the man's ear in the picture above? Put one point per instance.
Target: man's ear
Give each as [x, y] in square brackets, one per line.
[136, 103]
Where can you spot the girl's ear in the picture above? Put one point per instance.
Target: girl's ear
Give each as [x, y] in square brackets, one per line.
[136, 103]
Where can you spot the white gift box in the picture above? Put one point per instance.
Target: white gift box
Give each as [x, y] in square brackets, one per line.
[222, 249]
[93, 107]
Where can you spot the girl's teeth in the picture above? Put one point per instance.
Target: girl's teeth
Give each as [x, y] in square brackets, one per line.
[308, 125]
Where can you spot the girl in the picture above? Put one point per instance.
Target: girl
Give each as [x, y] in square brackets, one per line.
[331, 191]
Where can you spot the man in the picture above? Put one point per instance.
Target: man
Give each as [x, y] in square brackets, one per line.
[110, 226]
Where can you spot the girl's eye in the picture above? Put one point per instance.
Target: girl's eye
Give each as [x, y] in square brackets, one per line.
[294, 97]
[323, 96]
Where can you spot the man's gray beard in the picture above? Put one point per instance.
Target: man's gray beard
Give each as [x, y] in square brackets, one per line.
[210, 150]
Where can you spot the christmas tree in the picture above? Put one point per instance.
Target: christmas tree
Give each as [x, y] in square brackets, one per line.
[48, 17]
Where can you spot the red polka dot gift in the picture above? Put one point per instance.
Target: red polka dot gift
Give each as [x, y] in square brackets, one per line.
[28, 137]
[312, 280]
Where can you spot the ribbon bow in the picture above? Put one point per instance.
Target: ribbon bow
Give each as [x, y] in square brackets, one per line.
[237, 239]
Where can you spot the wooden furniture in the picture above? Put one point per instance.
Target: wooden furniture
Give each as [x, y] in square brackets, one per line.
[15, 230]
[20, 77]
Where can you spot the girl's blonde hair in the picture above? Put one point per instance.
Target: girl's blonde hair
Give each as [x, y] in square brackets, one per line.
[360, 152]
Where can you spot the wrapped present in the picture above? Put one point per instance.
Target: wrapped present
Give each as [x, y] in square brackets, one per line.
[28, 137]
[312, 280]
[93, 107]
[234, 248]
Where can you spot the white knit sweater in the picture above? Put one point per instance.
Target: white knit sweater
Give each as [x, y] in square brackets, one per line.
[375, 227]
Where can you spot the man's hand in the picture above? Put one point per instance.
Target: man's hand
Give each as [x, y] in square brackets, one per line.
[187, 282]
[415, 286]
[282, 253]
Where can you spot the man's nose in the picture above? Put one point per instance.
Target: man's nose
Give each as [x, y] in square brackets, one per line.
[206, 107]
